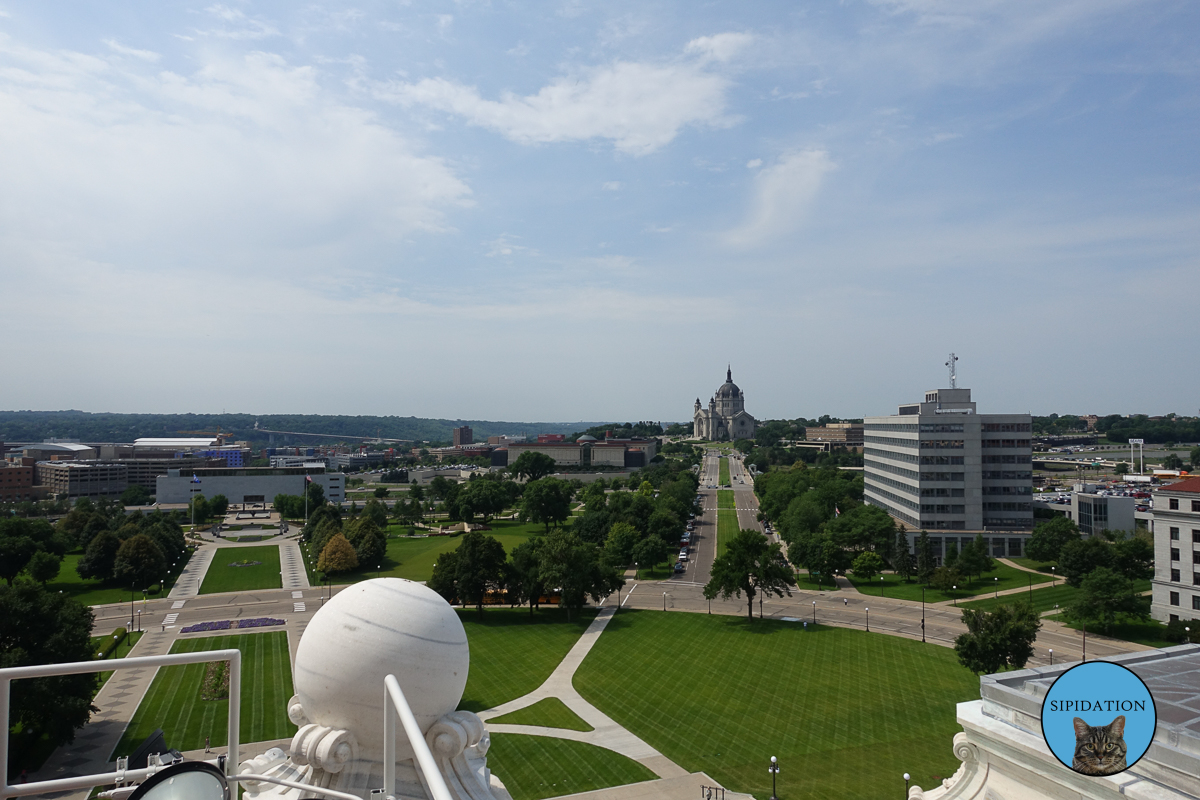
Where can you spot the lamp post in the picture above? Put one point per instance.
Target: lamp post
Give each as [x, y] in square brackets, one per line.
[1187, 630]
[1052, 656]
[139, 619]
[907, 778]
[955, 588]
[1053, 577]
[1084, 641]
[814, 612]
[636, 574]
[760, 605]
[996, 586]
[868, 619]
[922, 613]
[1030, 574]
[774, 770]
[664, 601]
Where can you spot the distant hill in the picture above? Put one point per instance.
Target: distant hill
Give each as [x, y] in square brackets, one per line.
[36, 426]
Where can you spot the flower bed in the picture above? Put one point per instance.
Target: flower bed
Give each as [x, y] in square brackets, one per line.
[226, 624]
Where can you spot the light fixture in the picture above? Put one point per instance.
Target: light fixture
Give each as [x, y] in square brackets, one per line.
[190, 780]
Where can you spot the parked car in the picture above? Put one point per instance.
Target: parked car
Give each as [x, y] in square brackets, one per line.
[679, 567]
[683, 555]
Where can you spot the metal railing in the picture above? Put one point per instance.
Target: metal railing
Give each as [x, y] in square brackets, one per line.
[7, 676]
[394, 699]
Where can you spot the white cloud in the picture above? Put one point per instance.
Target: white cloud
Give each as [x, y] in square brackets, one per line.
[783, 193]
[246, 164]
[144, 55]
[754, 163]
[639, 107]
[238, 25]
[721, 47]
[503, 245]
[611, 186]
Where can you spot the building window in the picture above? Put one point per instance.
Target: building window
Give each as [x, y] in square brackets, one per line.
[1195, 536]
[1196, 505]
[1174, 553]
[1196, 556]
[1196, 602]
[1174, 618]
[1174, 576]
[1174, 598]
[1173, 504]
[1175, 534]
[1196, 579]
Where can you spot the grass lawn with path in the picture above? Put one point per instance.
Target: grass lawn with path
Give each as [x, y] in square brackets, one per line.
[1029, 563]
[173, 701]
[894, 587]
[92, 592]
[513, 652]
[805, 581]
[1149, 632]
[549, 713]
[223, 576]
[726, 499]
[1043, 599]
[849, 711]
[723, 467]
[534, 767]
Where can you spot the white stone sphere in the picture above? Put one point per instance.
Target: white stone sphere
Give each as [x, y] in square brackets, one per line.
[372, 629]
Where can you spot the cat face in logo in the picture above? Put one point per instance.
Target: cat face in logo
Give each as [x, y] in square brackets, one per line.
[1099, 750]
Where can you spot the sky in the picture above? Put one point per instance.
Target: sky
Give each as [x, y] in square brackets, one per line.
[587, 210]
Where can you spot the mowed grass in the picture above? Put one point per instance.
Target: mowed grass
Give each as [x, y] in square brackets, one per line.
[173, 701]
[726, 498]
[534, 767]
[92, 592]
[413, 557]
[848, 710]
[727, 528]
[723, 467]
[894, 587]
[550, 713]
[223, 577]
[1045, 599]
[512, 652]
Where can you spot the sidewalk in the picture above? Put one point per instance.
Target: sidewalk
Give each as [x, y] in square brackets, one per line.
[607, 732]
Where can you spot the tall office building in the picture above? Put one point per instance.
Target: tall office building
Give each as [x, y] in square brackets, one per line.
[939, 465]
[463, 435]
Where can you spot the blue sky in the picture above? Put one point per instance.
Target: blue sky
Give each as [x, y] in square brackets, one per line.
[584, 210]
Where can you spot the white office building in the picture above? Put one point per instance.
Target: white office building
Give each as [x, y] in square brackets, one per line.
[249, 485]
[1175, 590]
[939, 465]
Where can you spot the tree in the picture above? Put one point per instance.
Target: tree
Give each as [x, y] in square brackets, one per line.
[951, 559]
[198, 508]
[576, 568]
[135, 495]
[218, 505]
[974, 559]
[1050, 537]
[867, 565]
[1172, 461]
[1133, 557]
[15, 553]
[902, 560]
[368, 541]
[1104, 594]
[525, 577]
[752, 565]
[416, 492]
[547, 500]
[444, 579]
[480, 568]
[376, 511]
[926, 563]
[100, 557]
[620, 543]
[945, 579]
[1080, 557]
[1122, 468]
[43, 627]
[487, 498]
[44, 566]
[532, 466]
[316, 495]
[651, 550]
[997, 639]
[139, 562]
[1195, 457]
[337, 556]
[381, 491]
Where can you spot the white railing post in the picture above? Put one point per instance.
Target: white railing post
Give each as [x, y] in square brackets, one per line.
[389, 744]
[425, 760]
[232, 758]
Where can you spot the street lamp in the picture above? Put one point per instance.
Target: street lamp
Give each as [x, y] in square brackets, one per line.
[814, 612]
[907, 778]
[868, 620]
[664, 601]
[955, 588]
[774, 770]
[922, 613]
[996, 586]
[1052, 656]
[1188, 631]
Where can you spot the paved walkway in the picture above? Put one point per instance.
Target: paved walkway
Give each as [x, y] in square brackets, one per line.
[189, 580]
[294, 574]
[686, 787]
[608, 733]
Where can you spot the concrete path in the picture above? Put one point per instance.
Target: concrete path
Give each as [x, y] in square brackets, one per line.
[1006, 592]
[686, 787]
[608, 733]
[294, 574]
[189, 580]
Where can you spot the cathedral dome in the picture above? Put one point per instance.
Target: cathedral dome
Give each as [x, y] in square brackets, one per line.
[728, 389]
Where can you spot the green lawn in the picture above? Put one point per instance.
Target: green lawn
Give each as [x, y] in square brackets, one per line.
[1040, 566]
[723, 467]
[512, 652]
[726, 499]
[533, 767]
[173, 701]
[412, 557]
[892, 586]
[223, 577]
[846, 712]
[727, 528]
[549, 713]
[1149, 632]
[93, 592]
[805, 581]
[1043, 599]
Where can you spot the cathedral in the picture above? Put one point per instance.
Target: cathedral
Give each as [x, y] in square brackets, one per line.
[725, 417]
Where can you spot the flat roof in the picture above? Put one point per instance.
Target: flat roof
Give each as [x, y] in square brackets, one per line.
[174, 442]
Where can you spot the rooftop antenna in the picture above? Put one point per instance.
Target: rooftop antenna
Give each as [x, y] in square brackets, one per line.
[953, 374]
